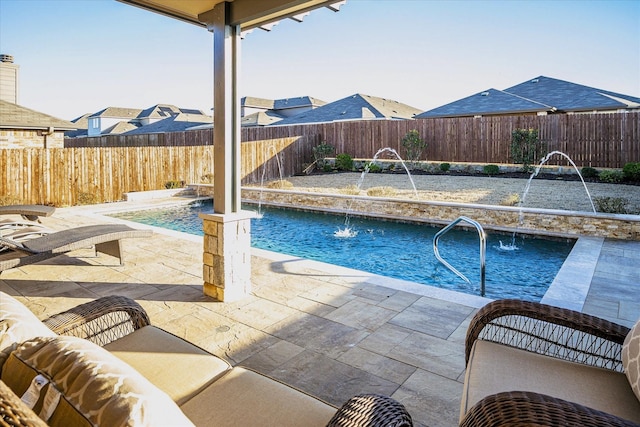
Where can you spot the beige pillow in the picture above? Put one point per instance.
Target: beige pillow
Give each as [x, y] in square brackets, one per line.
[17, 324]
[631, 358]
[96, 387]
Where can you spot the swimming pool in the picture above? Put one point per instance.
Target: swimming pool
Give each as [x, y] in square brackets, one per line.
[399, 250]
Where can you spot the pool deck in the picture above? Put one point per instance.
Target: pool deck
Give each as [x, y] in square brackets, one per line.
[330, 331]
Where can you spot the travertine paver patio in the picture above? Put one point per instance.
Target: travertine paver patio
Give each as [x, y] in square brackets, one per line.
[330, 331]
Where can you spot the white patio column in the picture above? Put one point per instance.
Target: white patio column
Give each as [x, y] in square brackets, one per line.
[227, 232]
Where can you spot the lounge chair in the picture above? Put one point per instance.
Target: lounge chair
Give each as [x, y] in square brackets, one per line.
[105, 238]
[31, 217]
[30, 212]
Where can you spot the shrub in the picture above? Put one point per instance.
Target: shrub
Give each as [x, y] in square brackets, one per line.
[173, 184]
[207, 178]
[588, 172]
[344, 162]
[381, 191]
[372, 167]
[511, 200]
[617, 205]
[526, 148]
[413, 146]
[85, 198]
[631, 171]
[9, 200]
[351, 190]
[320, 154]
[282, 184]
[612, 176]
[491, 169]
[444, 167]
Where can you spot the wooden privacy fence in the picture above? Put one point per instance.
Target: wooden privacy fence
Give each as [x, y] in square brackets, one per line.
[69, 176]
[596, 140]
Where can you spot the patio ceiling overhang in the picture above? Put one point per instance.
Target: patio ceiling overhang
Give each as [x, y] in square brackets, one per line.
[249, 14]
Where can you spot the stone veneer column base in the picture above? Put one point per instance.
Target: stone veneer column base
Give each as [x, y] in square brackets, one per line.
[226, 268]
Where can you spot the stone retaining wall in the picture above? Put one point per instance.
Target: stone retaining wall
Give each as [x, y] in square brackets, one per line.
[559, 223]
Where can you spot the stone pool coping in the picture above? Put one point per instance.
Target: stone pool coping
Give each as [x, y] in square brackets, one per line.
[569, 288]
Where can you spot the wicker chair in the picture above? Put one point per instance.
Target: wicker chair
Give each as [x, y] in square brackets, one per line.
[110, 318]
[549, 331]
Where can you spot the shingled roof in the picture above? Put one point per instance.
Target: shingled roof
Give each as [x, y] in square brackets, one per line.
[567, 96]
[14, 116]
[354, 107]
[490, 100]
[176, 123]
[538, 95]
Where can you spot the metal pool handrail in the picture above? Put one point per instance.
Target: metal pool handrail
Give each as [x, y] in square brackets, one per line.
[483, 250]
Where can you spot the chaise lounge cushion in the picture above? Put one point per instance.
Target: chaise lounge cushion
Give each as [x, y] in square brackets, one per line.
[17, 324]
[631, 358]
[246, 398]
[174, 365]
[495, 368]
[96, 387]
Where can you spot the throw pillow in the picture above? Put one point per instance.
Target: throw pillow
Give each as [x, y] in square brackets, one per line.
[17, 324]
[96, 387]
[631, 358]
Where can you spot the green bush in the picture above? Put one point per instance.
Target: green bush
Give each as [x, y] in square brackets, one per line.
[173, 184]
[611, 176]
[631, 171]
[344, 162]
[616, 205]
[413, 146]
[444, 167]
[491, 169]
[320, 154]
[526, 148]
[588, 172]
[372, 167]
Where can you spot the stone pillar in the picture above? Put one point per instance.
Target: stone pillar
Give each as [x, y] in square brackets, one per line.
[227, 255]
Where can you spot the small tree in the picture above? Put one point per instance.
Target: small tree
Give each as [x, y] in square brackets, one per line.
[320, 154]
[526, 147]
[413, 146]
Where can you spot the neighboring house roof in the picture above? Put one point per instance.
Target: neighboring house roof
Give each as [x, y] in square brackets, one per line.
[261, 118]
[14, 116]
[118, 113]
[161, 111]
[567, 96]
[281, 104]
[491, 101]
[177, 123]
[119, 128]
[354, 107]
[537, 95]
[253, 102]
[302, 101]
[82, 124]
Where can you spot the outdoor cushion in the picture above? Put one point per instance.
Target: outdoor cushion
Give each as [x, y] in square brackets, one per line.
[246, 398]
[631, 358]
[172, 364]
[17, 324]
[96, 387]
[495, 368]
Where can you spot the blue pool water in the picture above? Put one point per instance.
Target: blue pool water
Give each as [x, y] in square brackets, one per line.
[392, 249]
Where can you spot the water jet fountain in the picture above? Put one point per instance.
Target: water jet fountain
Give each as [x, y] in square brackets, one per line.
[347, 231]
[545, 159]
[273, 149]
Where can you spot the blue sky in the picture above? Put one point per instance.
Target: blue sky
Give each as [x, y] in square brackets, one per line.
[79, 56]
